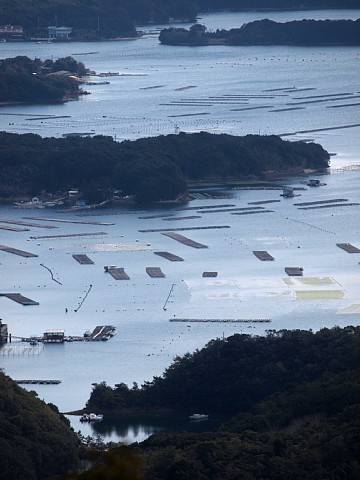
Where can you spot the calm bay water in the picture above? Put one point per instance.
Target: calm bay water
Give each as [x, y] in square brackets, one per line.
[153, 98]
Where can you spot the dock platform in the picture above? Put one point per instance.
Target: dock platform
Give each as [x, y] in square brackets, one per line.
[155, 272]
[348, 247]
[169, 256]
[118, 273]
[210, 274]
[263, 255]
[83, 259]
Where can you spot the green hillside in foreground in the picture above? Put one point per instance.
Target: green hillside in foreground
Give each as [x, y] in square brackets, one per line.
[36, 442]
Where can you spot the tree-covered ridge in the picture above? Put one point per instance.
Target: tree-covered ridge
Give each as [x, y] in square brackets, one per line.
[268, 32]
[297, 399]
[25, 80]
[98, 19]
[150, 169]
[229, 377]
[36, 442]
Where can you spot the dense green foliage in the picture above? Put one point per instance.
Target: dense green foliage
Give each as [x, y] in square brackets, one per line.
[268, 32]
[230, 376]
[35, 440]
[97, 19]
[150, 169]
[26, 80]
[297, 399]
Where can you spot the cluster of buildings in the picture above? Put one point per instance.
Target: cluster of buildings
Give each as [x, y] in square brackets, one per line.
[16, 32]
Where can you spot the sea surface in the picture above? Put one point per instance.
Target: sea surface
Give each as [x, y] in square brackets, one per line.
[233, 90]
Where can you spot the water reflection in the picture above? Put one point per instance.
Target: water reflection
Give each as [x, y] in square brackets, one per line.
[136, 428]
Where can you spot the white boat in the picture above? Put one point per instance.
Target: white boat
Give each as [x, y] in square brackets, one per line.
[91, 417]
[198, 416]
[35, 202]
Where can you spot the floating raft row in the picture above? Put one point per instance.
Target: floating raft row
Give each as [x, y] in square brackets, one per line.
[348, 247]
[263, 255]
[13, 229]
[173, 219]
[169, 256]
[67, 235]
[294, 271]
[27, 224]
[83, 259]
[212, 227]
[15, 251]
[210, 274]
[237, 209]
[155, 272]
[184, 240]
[63, 220]
[207, 207]
[38, 382]
[118, 273]
[221, 320]
[18, 298]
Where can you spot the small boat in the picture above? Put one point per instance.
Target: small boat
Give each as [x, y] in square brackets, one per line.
[198, 416]
[91, 417]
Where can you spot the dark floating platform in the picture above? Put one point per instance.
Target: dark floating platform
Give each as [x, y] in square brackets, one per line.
[169, 256]
[155, 272]
[263, 255]
[15, 251]
[69, 235]
[118, 273]
[210, 274]
[174, 219]
[185, 240]
[221, 320]
[348, 247]
[18, 298]
[38, 382]
[211, 227]
[83, 259]
[294, 271]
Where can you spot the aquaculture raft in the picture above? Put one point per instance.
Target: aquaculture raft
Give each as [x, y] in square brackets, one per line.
[118, 273]
[185, 240]
[155, 272]
[15, 251]
[169, 256]
[294, 271]
[209, 274]
[263, 255]
[348, 247]
[18, 298]
[83, 259]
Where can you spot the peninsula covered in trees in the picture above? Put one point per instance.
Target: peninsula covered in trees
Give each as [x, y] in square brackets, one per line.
[103, 19]
[149, 169]
[35, 81]
[268, 32]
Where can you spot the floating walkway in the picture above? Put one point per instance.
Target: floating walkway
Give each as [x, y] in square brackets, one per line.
[184, 240]
[174, 219]
[118, 273]
[348, 247]
[237, 209]
[169, 256]
[15, 251]
[155, 272]
[27, 224]
[83, 259]
[13, 229]
[263, 255]
[221, 320]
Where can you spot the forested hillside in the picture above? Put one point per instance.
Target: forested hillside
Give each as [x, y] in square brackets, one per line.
[35, 81]
[149, 169]
[36, 442]
[99, 19]
[296, 400]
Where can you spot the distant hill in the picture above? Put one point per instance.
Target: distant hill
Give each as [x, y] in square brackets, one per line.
[268, 32]
[36, 442]
[101, 19]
